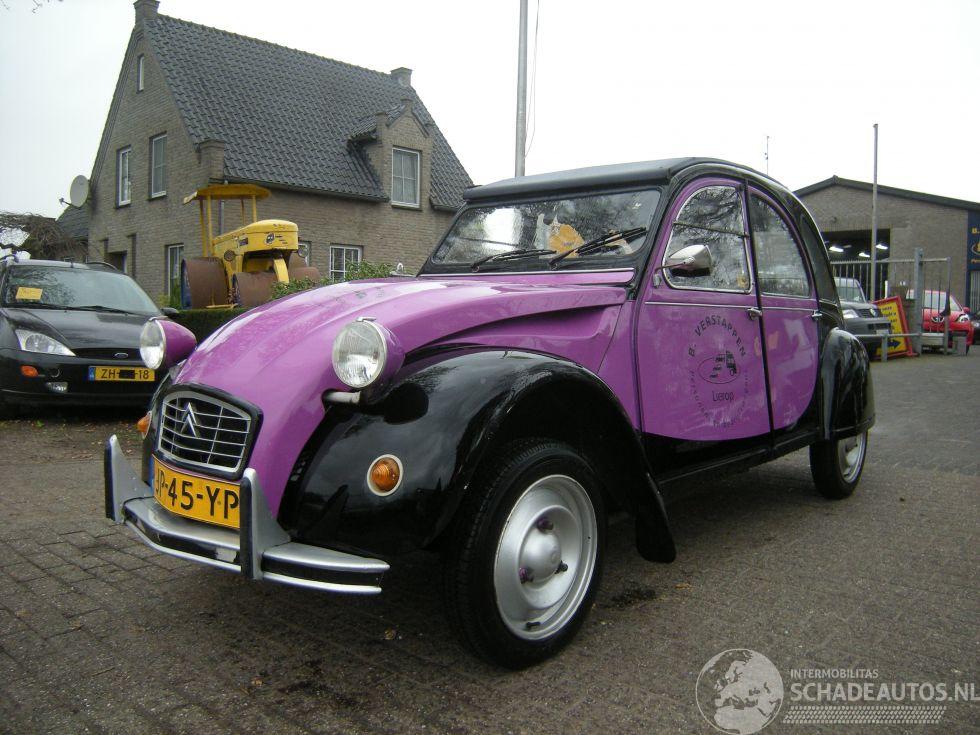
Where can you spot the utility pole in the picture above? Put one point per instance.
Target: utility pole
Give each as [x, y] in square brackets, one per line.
[874, 220]
[521, 93]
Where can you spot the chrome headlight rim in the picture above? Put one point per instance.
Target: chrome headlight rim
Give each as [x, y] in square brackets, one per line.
[25, 335]
[850, 314]
[382, 337]
[151, 359]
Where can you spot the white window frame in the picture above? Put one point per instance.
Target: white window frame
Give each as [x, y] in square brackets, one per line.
[153, 165]
[418, 176]
[140, 65]
[348, 250]
[170, 279]
[124, 197]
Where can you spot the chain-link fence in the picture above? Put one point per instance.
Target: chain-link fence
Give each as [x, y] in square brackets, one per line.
[923, 285]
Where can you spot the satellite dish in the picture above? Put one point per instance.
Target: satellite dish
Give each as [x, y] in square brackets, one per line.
[78, 193]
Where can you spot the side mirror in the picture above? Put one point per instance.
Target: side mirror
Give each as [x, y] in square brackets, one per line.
[693, 260]
[169, 311]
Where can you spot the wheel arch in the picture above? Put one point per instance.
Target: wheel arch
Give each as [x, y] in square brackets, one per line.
[847, 404]
[443, 416]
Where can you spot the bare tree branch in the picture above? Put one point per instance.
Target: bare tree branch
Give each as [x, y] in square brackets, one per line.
[45, 237]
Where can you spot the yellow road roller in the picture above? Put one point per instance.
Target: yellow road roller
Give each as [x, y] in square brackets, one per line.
[239, 267]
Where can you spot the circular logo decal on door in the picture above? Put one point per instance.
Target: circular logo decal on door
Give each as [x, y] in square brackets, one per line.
[718, 381]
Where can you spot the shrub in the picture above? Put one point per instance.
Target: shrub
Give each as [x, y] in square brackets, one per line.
[355, 272]
[202, 322]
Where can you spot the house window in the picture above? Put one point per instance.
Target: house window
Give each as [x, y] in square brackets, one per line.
[117, 260]
[158, 166]
[139, 73]
[175, 254]
[341, 258]
[405, 177]
[123, 185]
[304, 249]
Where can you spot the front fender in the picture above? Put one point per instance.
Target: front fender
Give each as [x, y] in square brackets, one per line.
[440, 419]
[848, 404]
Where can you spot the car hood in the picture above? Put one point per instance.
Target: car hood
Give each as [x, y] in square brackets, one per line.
[81, 329]
[278, 356]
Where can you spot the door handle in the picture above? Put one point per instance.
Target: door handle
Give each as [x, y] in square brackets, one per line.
[754, 313]
[816, 315]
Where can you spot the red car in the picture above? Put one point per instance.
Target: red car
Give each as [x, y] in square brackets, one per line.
[937, 308]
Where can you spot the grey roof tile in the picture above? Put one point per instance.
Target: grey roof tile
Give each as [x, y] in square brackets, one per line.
[74, 222]
[286, 116]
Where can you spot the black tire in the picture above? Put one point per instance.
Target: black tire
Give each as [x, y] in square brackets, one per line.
[833, 475]
[481, 531]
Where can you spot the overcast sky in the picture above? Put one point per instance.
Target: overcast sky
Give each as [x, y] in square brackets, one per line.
[616, 81]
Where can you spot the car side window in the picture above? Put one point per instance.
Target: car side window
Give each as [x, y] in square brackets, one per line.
[777, 254]
[712, 217]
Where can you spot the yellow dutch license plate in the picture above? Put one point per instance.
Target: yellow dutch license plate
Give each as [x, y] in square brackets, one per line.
[137, 374]
[201, 498]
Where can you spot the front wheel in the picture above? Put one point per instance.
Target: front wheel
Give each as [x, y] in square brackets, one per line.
[836, 465]
[525, 556]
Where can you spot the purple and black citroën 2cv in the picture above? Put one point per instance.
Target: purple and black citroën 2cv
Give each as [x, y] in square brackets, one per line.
[575, 343]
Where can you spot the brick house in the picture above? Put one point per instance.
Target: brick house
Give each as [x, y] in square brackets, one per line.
[351, 155]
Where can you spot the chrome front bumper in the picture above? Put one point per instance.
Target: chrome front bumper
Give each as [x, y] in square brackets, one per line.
[260, 549]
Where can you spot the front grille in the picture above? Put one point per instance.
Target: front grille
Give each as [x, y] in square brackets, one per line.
[865, 313]
[108, 353]
[203, 431]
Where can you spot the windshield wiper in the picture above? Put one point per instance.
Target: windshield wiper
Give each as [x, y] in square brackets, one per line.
[609, 241]
[96, 307]
[512, 255]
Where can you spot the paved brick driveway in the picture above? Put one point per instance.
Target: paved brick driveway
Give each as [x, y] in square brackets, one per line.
[100, 634]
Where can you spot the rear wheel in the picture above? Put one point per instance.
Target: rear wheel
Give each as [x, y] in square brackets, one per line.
[252, 289]
[836, 465]
[525, 556]
[202, 283]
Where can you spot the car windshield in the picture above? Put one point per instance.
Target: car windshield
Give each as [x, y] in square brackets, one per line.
[552, 226]
[75, 288]
[849, 289]
[936, 300]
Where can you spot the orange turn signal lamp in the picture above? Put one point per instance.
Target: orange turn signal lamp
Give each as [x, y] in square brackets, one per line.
[144, 425]
[385, 475]
[29, 371]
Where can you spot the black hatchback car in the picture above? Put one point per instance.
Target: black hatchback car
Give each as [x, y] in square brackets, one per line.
[69, 334]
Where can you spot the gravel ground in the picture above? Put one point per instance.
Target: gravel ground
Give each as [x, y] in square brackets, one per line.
[99, 633]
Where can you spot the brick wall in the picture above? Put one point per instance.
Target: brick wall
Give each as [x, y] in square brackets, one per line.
[386, 232]
[939, 230]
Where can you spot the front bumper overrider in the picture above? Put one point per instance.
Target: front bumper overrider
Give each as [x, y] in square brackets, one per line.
[260, 549]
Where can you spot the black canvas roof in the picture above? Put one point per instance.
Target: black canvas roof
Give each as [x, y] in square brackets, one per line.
[592, 177]
[289, 117]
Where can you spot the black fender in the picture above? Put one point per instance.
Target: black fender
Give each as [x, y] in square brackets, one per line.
[847, 405]
[440, 418]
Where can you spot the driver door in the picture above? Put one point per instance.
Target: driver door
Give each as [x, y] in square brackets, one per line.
[701, 369]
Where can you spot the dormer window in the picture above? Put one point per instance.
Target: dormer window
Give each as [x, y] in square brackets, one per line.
[405, 177]
[139, 73]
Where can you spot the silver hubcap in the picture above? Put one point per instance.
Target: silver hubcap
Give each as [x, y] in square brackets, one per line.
[850, 455]
[545, 557]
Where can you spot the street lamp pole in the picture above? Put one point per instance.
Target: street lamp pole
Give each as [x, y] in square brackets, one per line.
[521, 93]
[874, 220]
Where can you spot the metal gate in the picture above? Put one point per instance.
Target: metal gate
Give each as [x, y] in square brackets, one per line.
[922, 283]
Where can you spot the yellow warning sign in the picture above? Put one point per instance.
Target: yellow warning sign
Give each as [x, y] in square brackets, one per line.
[892, 309]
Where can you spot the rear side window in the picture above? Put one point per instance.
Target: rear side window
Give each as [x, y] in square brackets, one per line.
[712, 217]
[777, 255]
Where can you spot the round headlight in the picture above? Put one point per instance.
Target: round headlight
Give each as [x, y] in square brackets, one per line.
[850, 314]
[359, 353]
[153, 344]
